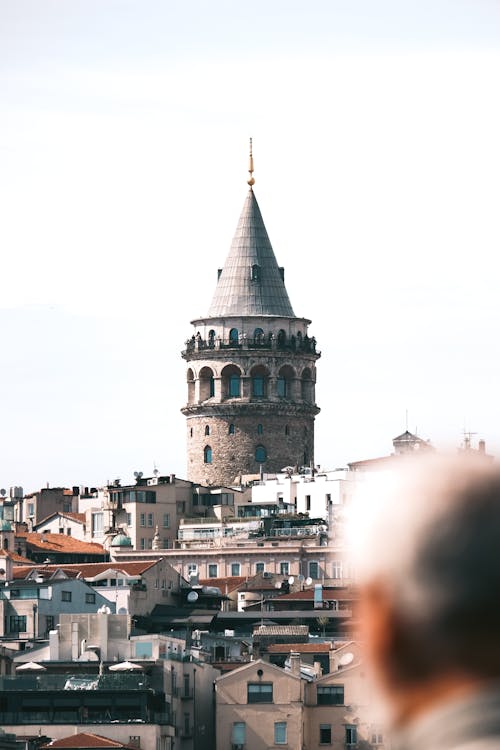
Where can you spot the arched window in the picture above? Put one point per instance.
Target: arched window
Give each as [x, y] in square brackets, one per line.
[207, 429]
[260, 429]
[207, 383]
[259, 377]
[207, 454]
[258, 335]
[284, 382]
[231, 429]
[234, 385]
[211, 338]
[233, 336]
[281, 337]
[231, 382]
[260, 454]
[6, 543]
[307, 386]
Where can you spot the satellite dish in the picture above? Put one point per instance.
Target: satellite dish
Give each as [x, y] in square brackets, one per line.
[291, 580]
[346, 659]
[192, 596]
[277, 585]
[3, 492]
[300, 577]
[309, 580]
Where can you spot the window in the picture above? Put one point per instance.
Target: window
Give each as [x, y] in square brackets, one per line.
[280, 732]
[308, 502]
[258, 335]
[287, 430]
[260, 692]
[166, 520]
[192, 569]
[211, 386]
[207, 429]
[377, 738]
[284, 568]
[50, 622]
[235, 569]
[260, 567]
[260, 454]
[325, 734]
[142, 519]
[143, 543]
[233, 336]
[255, 272]
[31, 509]
[239, 733]
[129, 519]
[17, 623]
[351, 735]
[234, 385]
[336, 569]
[61, 530]
[212, 570]
[68, 532]
[258, 386]
[89, 598]
[66, 596]
[190, 432]
[150, 519]
[207, 454]
[282, 387]
[331, 695]
[231, 429]
[313, 569]
[97, 524]
[260, 429]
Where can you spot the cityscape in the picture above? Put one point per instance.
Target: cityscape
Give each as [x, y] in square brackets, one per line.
[200, 589]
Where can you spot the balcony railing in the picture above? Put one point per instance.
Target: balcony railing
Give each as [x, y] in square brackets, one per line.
[305, 344]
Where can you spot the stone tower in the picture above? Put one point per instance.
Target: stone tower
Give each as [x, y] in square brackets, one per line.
[251, 367]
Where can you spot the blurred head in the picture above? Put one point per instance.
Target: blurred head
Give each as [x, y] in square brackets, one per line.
[429, 562]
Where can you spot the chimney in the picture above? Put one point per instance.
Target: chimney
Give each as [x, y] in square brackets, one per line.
[295, 663]
[482, 447]
[317, 669]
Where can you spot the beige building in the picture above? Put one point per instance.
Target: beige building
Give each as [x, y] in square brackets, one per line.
[261, 706]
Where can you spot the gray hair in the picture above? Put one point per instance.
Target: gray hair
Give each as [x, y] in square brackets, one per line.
[435, 548]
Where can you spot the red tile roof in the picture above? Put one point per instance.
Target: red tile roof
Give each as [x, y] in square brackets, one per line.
[19, 559]
[90, 570]
[61, 543]
[85, 740]
[78, 517]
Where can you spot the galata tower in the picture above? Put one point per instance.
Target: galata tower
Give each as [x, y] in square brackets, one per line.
[251, 367]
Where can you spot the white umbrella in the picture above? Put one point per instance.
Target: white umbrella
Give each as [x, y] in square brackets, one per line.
[125, 666]
[30, 666]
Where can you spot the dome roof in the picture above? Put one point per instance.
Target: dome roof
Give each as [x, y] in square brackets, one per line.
[121, 540]
[5, 525]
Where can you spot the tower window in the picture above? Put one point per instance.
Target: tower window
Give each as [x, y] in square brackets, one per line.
[258, 335]
[257, 385]
[260, 454]
[190, 432]
[233, 336]
[207, 429]
[255, 272]
[211, 387]
[287, 430]
[207, 454]
[211, 338]
[234, 386]
[231, 429]
[260, 429]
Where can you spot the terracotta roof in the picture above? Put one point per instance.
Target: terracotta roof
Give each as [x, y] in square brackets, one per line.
[231, 582]
[15, 557]
[90, 570]
[85, 740]
[304, 648]
[78, 517]
[62, 543]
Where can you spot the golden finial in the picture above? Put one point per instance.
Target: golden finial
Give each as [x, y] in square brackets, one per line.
[250, 180]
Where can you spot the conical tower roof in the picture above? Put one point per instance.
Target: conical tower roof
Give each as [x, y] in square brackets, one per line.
[251, 282]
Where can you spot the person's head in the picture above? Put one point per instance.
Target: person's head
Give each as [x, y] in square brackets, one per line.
[430, 576]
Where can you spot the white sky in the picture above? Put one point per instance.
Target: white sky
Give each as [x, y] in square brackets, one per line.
[123, 153]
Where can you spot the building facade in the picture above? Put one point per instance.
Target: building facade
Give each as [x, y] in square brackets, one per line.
[251, 368]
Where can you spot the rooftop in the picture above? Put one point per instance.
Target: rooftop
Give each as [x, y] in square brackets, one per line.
[85, 740]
